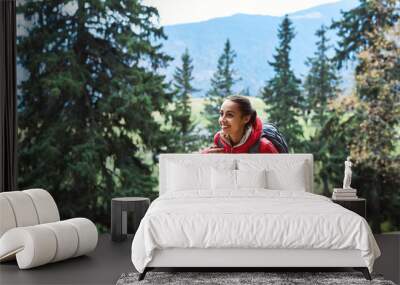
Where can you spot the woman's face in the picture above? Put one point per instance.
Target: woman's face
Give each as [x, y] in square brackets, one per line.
[231, 119]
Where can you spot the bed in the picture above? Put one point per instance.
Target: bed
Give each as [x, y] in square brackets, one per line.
[247, 210]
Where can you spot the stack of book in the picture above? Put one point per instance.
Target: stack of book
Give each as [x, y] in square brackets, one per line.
[344, 194]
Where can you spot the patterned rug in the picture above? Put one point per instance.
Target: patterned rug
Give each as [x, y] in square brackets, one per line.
[243, 278]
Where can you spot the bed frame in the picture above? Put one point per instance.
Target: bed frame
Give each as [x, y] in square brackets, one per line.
[248, 257]
[259, 258]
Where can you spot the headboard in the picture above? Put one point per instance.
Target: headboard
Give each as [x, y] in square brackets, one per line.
[267, 161]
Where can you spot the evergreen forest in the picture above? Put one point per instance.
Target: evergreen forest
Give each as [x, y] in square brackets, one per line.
[96, 109]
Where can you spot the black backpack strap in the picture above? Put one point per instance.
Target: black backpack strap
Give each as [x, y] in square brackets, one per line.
[254, 148]
[219, 143]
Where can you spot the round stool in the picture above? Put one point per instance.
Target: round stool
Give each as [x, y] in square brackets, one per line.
[119, 215]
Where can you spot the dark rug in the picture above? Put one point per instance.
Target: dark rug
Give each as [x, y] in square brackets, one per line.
[229, 278]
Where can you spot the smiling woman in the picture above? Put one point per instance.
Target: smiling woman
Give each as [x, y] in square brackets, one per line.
[241, 129]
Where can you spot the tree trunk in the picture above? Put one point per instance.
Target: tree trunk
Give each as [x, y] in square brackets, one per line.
[325, 184]
[375, 205]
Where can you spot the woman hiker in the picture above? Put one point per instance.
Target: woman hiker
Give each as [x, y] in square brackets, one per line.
[241, 129]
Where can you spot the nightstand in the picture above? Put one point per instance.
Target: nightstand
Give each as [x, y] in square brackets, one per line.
[357, 205]
[119, 211]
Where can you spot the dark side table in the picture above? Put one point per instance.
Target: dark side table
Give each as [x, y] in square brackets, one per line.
[119, 215]
[357, 205]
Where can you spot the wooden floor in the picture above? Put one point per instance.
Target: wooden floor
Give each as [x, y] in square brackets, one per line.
[110, 259]
[103, 266]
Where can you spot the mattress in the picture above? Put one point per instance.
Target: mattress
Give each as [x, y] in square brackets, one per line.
[251, 219]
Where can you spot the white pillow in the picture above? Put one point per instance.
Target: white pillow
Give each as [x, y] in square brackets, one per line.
[188, 177]
[230, 180]
[223, 179]
[193, 175]
[293, 179]
[281, 174]
[251, 179]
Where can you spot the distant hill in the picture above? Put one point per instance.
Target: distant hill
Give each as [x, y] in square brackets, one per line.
[254, 39]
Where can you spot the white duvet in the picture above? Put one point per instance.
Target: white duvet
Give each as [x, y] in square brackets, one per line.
[250, 219]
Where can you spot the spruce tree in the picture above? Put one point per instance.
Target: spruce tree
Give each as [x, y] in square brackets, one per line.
[187, 139]
[222, 84]
[282, 94]
[322, 82]
[368, 34]
[87, 131]
[321, 86]
[362, 26]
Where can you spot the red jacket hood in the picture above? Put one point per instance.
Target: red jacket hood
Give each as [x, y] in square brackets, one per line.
[244, 148]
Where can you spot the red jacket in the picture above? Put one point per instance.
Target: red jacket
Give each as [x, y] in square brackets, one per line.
[265, 145]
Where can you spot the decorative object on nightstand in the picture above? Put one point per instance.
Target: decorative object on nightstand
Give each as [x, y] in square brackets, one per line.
[119, 215]
[345, 193]
[357, 205]
[347, 173]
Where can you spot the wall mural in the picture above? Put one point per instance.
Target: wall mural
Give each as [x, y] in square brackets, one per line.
[105, 87]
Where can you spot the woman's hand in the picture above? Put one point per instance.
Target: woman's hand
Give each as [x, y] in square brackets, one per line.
[213, 149]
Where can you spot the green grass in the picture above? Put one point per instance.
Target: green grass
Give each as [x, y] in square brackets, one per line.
[197, 105]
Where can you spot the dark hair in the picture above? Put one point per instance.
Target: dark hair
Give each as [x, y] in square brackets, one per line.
[244, 107]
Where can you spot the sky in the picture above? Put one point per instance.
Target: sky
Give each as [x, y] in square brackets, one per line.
[174, 12]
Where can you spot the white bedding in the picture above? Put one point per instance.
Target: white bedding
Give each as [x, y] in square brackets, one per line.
[252, 218]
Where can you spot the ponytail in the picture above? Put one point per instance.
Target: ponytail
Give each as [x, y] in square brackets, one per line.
[253, 118]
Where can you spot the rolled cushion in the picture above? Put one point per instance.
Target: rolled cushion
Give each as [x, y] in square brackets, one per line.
[37, 245]
[67, 240]
[45, 205]
[7, 218]
[33, 246]
[23, 208]
[26, 208]
[87, 235]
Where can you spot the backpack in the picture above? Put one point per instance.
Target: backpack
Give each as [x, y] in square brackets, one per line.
[271, 133]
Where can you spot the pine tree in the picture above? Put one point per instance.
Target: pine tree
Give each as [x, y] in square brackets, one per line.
[87, 131]
[367, 34]
[362, 26]
[221, 86]
[322, 82]
[187, 139]
[321, 86]
[282, 94]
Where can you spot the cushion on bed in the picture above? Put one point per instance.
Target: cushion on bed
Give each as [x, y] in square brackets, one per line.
[186, 175]
[251, 178]
[281, 174]
[282, 180]
[232, 180]
[223, 179]
[187, 172]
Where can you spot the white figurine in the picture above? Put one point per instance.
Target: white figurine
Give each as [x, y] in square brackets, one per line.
[347, 174]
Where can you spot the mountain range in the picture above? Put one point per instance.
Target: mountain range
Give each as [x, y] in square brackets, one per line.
[254, 39]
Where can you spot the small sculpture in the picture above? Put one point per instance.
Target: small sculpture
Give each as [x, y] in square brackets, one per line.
[347, 174]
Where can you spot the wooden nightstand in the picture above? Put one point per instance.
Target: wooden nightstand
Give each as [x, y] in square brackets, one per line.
[357, 205]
